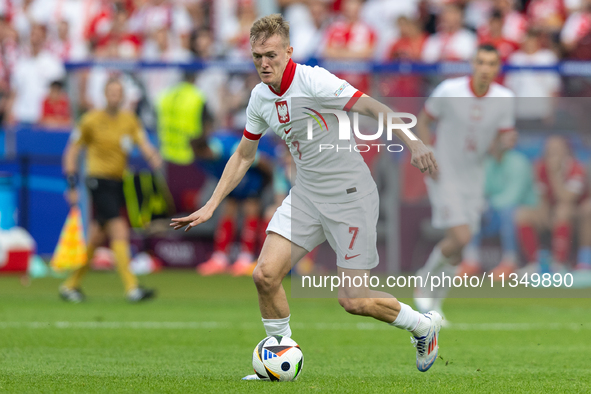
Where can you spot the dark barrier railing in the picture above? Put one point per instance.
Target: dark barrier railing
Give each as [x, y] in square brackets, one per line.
[565, 68]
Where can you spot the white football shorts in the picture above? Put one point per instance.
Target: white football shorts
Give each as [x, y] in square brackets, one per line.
[349, 227]
[451, 207]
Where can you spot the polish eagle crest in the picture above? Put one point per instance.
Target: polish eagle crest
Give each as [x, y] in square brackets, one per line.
[282, 111]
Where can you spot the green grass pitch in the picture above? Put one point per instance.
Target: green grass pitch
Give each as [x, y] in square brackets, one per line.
[198, 336]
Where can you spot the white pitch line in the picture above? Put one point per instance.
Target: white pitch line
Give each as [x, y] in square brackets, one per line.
[147, 325]
[118, 325]
[519, 326]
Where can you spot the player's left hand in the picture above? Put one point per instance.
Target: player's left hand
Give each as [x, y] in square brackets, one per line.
[423, 158]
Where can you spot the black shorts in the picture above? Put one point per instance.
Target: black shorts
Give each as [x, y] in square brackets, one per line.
[107, 198]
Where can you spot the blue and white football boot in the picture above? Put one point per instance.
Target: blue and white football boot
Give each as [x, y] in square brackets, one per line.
[428, 345]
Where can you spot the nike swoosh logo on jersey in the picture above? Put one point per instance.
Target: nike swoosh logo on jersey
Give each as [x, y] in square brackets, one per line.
[287, 131]
[351, 257]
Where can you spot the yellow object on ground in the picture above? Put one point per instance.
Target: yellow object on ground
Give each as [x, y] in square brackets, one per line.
[70, 252]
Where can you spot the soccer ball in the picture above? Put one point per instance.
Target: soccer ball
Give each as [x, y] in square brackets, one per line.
[277, 358]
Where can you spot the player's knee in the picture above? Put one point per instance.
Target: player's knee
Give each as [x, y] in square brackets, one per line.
[96, 236]
[354, 306]
[462, 238]
[264, 280]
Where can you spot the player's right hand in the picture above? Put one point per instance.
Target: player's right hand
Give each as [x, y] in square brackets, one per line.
[72, 197]
[423, 158]
[194, 219]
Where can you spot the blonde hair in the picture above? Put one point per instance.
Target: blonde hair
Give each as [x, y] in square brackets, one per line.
[267, 26]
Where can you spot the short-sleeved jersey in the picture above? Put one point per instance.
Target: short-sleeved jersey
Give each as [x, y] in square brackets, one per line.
[322, 176]
[467, 125]
[109, 140]
[575, 180]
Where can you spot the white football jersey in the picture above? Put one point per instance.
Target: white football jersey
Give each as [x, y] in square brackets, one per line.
[324, 175]
[467, 125]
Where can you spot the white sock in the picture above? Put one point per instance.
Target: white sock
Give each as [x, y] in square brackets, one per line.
[410, 320]
[277, 326]
[440, 292]
[436, 259]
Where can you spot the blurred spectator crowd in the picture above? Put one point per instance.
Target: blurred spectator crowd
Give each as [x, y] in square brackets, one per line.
[38, 36]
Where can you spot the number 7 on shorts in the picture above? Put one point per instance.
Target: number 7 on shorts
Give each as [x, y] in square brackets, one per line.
[354, 231]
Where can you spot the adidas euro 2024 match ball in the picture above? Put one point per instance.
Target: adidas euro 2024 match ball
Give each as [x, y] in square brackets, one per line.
[278, 359]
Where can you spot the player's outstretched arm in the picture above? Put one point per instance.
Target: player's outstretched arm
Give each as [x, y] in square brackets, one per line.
[421, 156]
[233, 173]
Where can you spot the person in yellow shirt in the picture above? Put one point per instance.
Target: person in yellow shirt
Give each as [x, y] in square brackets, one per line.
[183, 121]
[108, 136]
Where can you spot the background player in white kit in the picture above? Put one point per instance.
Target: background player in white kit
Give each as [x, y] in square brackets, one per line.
[471, 112]
[334, 196]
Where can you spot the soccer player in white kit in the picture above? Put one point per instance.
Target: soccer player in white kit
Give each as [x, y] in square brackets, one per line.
[471, 112]
[334, 197]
